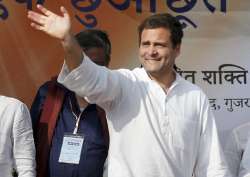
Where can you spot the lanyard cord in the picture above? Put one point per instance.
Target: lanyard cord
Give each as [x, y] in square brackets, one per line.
[76, 117]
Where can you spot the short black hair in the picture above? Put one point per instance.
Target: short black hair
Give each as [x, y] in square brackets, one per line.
[90, 38]
[163, 20]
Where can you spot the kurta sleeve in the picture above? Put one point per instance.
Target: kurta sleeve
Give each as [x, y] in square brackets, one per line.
[210, 159]
[23, 143]
[96, 83]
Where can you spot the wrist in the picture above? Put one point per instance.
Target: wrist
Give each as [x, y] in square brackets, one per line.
[67, 39]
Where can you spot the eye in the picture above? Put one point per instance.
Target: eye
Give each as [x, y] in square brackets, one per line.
[145, 44]
[160, 45]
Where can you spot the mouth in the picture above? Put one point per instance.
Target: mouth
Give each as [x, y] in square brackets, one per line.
[152, 59]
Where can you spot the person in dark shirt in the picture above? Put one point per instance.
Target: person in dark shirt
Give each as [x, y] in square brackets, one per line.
[90, 130]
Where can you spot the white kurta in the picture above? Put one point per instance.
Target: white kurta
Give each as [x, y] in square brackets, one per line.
[152, 134]
[244, 170]
[235, 147]
[17, 148]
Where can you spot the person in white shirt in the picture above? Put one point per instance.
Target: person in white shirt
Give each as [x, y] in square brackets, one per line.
[17, 150]
[244, 169]
[235, 147]
[160, 124]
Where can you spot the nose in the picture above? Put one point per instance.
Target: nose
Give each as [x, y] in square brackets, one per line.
[152, 51]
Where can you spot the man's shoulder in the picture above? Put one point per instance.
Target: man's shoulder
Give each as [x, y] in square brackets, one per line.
[243, 127]
[11, 105]
[188, 87]
[51, 83]
[128, 74]
[10, 101]
[242, 131]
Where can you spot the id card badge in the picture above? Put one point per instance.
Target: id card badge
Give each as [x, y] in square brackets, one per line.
[71, 149]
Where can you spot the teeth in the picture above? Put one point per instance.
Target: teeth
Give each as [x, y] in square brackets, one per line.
[153, 59]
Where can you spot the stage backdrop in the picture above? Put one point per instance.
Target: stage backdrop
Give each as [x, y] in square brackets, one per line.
[215, 50]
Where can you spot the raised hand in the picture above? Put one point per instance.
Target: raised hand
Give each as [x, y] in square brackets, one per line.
[51, 23]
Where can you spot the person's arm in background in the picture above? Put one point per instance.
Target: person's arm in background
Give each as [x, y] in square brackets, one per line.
[58, 27]
[244, 170]
[23, 143]
[233, 154]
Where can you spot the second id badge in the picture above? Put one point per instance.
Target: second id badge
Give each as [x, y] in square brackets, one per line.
[71, 149]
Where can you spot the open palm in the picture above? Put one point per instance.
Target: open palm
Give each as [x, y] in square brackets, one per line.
[51, 23]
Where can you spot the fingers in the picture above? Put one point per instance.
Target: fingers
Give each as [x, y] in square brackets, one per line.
[36, 17]
[44, 10]
[64, 12]
[36, 26]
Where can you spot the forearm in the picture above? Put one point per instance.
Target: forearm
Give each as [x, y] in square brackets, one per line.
[73, 51]
[96, 83]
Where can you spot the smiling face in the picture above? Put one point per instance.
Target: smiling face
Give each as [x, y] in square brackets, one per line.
[156, 52]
